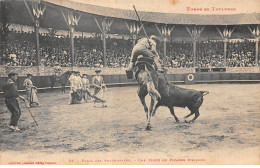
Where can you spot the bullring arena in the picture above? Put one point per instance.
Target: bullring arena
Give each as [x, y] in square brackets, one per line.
[226, 132]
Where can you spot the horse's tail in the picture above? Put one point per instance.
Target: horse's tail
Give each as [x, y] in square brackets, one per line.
[150, 87]
[152, 91]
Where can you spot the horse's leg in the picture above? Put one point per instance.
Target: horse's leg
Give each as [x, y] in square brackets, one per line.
[64, 89]
[142, 99]
[155, 108]
[142, 92]
[52, 83]
[172, 112]
[148, 125]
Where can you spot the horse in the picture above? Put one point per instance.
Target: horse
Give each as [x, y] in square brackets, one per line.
[164, 94]
[147, 79]
[62, 79]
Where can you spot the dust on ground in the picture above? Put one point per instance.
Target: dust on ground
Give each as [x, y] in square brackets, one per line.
[229, 121]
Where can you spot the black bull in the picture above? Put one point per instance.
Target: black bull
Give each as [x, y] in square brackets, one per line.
[169, 95]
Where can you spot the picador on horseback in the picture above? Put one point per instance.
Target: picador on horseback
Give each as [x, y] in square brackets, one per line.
[144, 55]
[146, 48]
[153, 81]
[145, 63]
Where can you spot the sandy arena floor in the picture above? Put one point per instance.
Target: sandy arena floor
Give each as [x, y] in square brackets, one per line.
[226, 132]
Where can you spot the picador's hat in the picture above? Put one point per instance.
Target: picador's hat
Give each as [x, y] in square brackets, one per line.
[155, 38]
[29, 75]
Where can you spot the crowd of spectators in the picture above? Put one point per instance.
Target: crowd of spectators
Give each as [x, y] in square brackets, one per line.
[241, 54]
[211, 54]
[88, 51]
[19, 50]
[91, 55]
[179, 55]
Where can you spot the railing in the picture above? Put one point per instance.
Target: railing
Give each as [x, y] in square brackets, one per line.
[47, 71]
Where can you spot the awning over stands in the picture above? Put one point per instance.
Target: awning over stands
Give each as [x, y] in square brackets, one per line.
[53, 18]
[166, 18]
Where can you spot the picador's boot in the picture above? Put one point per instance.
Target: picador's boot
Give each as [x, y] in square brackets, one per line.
[131, 66]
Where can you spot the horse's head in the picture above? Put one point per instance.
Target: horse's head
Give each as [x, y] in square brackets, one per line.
[68, 73]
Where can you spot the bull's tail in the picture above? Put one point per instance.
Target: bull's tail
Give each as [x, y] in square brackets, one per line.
[152, 91]
[204, 93]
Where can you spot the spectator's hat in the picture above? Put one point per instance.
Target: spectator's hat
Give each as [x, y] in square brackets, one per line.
[12, 74]
[98, 70]
[155, 38]
[29, 75]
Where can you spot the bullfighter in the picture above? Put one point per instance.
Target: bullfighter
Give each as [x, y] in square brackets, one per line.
[31, 91]
[11, 95]
[98, 83]
[147, 48]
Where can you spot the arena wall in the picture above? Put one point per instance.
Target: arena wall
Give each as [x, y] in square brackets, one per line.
[47, 71]
[117, 77]
[43, 82]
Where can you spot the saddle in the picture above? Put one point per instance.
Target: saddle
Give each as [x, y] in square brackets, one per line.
[142, 62]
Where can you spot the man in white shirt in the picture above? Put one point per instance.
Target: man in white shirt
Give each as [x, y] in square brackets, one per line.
[147, 48]
[78, 81]
[31, 91]
[85, 87]
[98, 83]
[77, 89]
